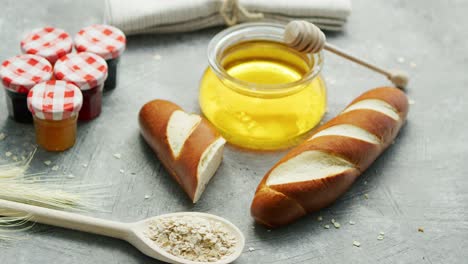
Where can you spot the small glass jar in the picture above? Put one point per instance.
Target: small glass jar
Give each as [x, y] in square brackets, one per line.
[48, 42]
[106, 41]
[88, 72]
[55, 106]
[19, 74]
[258, 92]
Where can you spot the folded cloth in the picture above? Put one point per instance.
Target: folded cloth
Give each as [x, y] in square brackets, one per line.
[163, 16]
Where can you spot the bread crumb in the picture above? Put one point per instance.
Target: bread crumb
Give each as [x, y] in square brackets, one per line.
[8, 153]
[117, 155]
[351, 222]
[55, 168]
[2, 136]
[251, 249]
[380, 237]
[47, 162]
[326, 226]
[421, 230]
[356, 243]
[319, 218]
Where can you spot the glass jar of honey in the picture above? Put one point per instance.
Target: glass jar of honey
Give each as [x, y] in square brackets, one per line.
[55, 106]
[19, 74]
[88, 72]
[258, 92]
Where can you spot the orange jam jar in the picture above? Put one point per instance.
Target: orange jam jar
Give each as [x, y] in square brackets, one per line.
[257, 91]
[55, 106]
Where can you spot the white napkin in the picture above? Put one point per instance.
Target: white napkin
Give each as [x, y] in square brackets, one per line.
[163, 16]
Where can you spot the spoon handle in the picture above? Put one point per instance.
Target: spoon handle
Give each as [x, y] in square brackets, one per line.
[68, 220]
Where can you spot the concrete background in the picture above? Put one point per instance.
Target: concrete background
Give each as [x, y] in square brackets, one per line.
[420, 182]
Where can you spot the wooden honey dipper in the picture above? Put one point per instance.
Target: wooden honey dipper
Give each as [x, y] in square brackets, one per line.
[306, 37]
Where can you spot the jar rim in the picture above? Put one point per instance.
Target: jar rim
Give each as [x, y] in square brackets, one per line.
[258, 31]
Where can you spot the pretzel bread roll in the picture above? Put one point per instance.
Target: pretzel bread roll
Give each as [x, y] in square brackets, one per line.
[314, 174]
[186, 144]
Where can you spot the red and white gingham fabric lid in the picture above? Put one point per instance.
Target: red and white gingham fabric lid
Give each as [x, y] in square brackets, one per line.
[54, 100]
[19, 74]
[103, 40]
[85, 70]
[48, 42]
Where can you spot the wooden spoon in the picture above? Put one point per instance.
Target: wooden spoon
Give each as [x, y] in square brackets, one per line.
[306, 37]
[134, 233]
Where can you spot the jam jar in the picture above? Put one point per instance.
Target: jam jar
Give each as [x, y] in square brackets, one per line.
[88, 72]
[258, 92]
[19, 74]
[55, 106]
[48, 42]
[106, 41]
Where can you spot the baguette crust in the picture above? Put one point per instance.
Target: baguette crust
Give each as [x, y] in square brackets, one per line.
[153, 119]
[277, 205]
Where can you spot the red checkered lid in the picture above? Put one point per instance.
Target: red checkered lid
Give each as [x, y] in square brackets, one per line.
[85, 70]
[48, 42]
[54, 100]
[19, 74]
[103, 40]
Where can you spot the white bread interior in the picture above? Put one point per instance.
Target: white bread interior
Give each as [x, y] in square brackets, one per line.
[375, 105]
[350, 131]
[209, 163]
[309, 165]
[179, 128]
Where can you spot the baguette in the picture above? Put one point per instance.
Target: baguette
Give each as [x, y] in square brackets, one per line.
[314, 174]
[186, 144]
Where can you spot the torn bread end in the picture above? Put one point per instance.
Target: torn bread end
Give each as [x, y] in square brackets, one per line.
[209, 163]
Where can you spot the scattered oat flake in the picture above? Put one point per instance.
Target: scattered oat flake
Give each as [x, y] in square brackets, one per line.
[319, 218]
[382, 233]
[117, 155]
[47, 162]
[401, 59]
[2, 136]
[55, 168]
[380, 237]
[122, 171]
[8, 154]
[15, 158]
[366, 196]
[420, 229]
[326, 226]
[147, 196]
[351, 222]
[356, 243]
[251, 249]
[337, 225]
[333, 221]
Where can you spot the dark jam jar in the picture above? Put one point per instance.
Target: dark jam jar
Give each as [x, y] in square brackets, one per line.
[48, 42]
[19, 74]
[105, 41]
[88, 72]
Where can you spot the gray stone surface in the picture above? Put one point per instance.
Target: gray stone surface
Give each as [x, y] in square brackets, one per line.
[419, 182]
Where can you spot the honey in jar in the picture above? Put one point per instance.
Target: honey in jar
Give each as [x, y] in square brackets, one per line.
[257, 91]
[55, 106]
